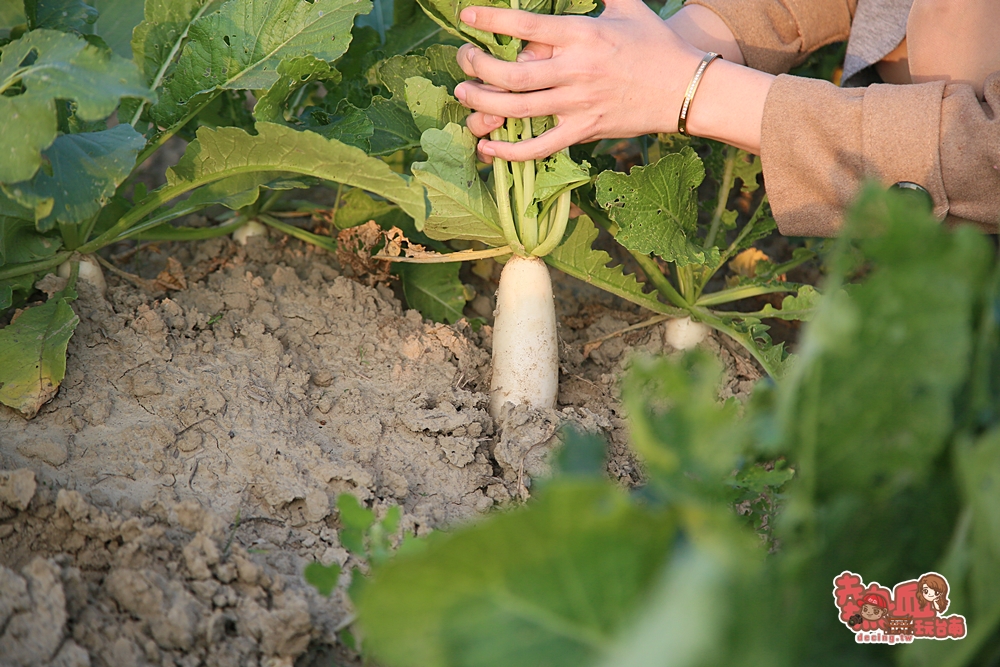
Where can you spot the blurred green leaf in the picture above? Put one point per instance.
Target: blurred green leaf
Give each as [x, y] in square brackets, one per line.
[322, 577]
[551, 584]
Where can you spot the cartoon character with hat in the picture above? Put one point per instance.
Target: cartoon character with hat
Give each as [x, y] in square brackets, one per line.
[874, 608]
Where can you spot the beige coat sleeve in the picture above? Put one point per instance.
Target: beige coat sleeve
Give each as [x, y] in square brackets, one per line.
[776, 35]
[820, 142]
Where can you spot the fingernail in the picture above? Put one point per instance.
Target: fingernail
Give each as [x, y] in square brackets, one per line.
[468, 16]
[525, 56]
[460, 92]
[492, 120]
[486, 149]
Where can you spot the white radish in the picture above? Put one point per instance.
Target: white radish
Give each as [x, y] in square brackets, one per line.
[90, 272]
[251, 228]
[684, 334]
[525, 345]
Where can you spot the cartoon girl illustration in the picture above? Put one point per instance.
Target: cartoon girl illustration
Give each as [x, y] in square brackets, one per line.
[932, 589]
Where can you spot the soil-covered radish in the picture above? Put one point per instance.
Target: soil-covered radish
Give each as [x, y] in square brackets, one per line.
[90, 272]
[250, 229]
[525, 345]
[683, 333]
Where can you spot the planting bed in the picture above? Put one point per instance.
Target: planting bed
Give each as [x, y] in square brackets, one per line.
[161, 509]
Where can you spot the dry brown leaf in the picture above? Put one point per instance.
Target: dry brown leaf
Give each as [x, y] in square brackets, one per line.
[172, 277]
[745, 263]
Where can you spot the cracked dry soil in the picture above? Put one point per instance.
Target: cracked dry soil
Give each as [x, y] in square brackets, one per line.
[267, 387]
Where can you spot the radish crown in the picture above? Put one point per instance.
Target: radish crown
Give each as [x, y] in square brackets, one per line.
[528, 208]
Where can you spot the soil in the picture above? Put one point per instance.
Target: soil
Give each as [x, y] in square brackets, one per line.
[160, 510]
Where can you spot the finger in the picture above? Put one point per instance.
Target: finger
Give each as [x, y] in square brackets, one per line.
[535, 51]
[521, 76]
[555, 30]
[540, 147]
[509, 105]
[481, 124]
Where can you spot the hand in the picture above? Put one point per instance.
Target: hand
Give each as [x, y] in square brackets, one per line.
[622, 74]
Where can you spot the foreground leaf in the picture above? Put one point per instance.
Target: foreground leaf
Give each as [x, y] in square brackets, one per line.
[86, 169]
[435, 290]
[656, 208]
[461, 204]
[241, 46]
[66, 68]
[293, 74]
[546, 585]
[577, 257]
[33, 348]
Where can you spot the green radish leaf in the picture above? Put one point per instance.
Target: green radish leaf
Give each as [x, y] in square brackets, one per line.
[357, 208]
[241, 46]
[577, 257]
[236, 192]
[478, 596]
[64, 15]
[435, 290]
[66, 68]
[11, 209]
[461, 204]
[432, 106]
[416, 31]
[33, 347]
[349, 125]
[20, 242]
[556, 173]
[438, 64]
[322, 577]
[83, 173]
[157, 40]
[12, 14]
[656, 208]
[117, 20]
[276, 149]
[747, 168]
[293, 74]
[393, 126]
[355, 520]
[800, 306]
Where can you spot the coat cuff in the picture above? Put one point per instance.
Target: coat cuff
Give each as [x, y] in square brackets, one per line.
[819, 143]
[776, 35]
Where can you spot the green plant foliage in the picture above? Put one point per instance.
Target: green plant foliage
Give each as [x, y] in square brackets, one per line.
[869, 486]
[293, 74]
[577, 257]
[117, 20]
[163, 31]
[241, 46]
[435, 290]
[276, 149]
[322, 577]
[467, 596]
[461, 205]
[38, 336]
[656, 208]
[65, 67]
[66, 15]
[83, 172]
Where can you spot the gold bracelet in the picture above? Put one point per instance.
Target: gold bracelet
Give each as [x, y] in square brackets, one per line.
[692, 89]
